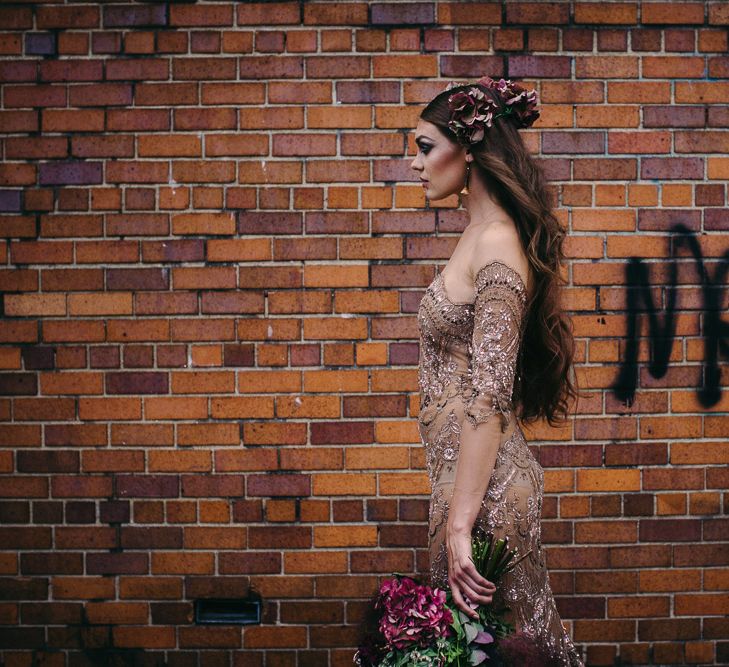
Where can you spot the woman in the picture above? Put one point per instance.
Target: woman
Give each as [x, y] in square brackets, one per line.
[494, 346]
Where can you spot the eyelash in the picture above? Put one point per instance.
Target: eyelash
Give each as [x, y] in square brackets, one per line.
[423, 149]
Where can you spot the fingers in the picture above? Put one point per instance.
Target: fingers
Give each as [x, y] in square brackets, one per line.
[460, 602]
[478, 583]
[473, 594]
[463, 586]
[466, 583]
[475, 579]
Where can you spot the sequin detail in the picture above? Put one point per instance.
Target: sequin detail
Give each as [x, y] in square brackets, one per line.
[467, 365]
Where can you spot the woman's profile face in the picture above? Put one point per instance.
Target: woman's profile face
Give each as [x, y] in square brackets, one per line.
[439, 162]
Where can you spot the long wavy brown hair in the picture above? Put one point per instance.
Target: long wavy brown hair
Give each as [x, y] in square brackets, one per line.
[543, 386]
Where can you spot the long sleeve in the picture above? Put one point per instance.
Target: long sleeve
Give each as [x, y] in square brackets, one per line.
[498, 317]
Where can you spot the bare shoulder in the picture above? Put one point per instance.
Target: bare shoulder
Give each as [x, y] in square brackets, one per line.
[499, 241]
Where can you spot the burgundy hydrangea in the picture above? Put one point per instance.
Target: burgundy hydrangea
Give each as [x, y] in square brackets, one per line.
[414, 614]
[522, 103]
[471, 112]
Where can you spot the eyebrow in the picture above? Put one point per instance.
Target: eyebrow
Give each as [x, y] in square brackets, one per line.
[422, 136]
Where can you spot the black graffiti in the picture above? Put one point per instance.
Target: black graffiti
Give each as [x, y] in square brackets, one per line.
[662, 326]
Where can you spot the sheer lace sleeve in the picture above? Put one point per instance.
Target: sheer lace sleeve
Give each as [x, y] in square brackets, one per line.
[497, 332]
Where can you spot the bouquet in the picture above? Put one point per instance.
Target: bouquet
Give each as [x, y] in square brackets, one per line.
[414, 625]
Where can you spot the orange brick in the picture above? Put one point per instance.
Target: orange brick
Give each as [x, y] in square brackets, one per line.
[640, 194]
[274, 637]
[346, 484]
[705, 502]
[603, 220]
[670, 503]
[559, 481]
[617, 67]
[376, 458]
[623, 479]
[650, 606]
[82, 588]
[345, 536]
[715, 579]
[606, 532]
[657, 67]
[708, 92]
[335, 381]
[596, 12]
[118, 613]
[574, 506]
[677, 194]
[613, 115]
[183, 563]
[665, 581]
[179, 461]
[699, 652]
[669, 12]
[610, 195]
[707, 604]
[688, 453]
[196, 537]
[409, 65]
[330, 562]
[144, 636]
[404, 484]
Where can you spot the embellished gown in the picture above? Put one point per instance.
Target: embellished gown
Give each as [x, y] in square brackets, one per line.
[468, 360]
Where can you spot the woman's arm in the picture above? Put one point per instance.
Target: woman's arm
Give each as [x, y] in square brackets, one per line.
[498, 316]
[476, 460]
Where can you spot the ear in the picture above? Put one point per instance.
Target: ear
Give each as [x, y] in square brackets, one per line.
[469, 156]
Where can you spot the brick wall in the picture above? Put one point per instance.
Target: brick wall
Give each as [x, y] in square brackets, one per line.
[213, 250]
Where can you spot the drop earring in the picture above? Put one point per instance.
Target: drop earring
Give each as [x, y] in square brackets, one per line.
[465, 191]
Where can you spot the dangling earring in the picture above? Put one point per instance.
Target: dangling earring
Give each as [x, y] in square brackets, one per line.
[465, 185]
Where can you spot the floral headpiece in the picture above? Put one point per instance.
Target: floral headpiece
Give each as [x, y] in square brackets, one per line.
[472, 111]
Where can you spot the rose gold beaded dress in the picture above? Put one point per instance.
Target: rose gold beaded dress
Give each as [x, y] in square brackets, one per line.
[468, 360]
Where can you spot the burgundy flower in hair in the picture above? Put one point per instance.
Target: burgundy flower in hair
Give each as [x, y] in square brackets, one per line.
[472, 111]
[515, 96]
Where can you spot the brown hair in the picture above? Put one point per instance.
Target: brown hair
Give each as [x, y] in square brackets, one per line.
[518, 184]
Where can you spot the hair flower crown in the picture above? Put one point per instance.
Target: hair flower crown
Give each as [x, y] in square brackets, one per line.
[472, 111]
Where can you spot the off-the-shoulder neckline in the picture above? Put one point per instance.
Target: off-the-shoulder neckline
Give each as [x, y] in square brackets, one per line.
[521, 287]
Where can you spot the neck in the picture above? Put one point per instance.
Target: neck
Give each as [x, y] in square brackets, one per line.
[480, 203]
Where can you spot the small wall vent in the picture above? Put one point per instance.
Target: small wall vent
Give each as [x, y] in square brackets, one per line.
[242, 611]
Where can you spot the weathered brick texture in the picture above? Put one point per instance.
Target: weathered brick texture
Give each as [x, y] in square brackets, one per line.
[213, 249]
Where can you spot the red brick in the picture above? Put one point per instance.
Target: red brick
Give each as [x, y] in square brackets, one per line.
[667, 12]
[700, 555]
[604, 630]
[593, 12]
[603, 582]
[677, 530]
[651, 606]
[708, 604]
[535, 12]
[668, 629]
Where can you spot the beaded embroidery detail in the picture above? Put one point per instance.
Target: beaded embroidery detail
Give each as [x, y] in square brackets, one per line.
[490, 330]
[468, 360]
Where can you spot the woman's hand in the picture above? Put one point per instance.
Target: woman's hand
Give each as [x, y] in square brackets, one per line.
[463, 578]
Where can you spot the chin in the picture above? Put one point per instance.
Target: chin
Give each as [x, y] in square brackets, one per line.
[435, 196]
